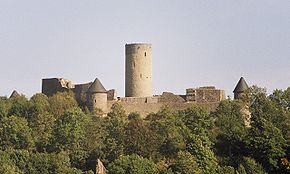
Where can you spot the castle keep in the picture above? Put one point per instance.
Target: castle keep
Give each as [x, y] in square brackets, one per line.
[138, 88]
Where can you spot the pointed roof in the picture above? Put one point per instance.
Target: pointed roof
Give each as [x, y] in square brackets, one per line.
[96, 87]
[14, 94]
[241, 86]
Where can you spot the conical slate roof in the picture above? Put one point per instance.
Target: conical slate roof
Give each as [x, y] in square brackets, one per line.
[96, 87]
[14, 94]
[241, 86]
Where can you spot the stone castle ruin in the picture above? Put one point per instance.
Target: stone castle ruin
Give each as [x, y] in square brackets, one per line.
[138, 88]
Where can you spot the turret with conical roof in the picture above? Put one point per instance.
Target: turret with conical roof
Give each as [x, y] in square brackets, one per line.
[240, 88]
[96, 87]
[14, 94]
[97, 96]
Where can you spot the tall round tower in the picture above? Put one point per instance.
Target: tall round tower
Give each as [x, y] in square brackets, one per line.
[138, 80]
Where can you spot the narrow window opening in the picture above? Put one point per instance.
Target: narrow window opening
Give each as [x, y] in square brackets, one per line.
[95, 101]
[145, 54]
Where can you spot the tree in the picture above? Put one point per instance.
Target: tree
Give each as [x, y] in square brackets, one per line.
[264, 108]
[185, 164]
[51, 164]
[200, 147]
[250, 166]
[7, 166]
[38, 104]
[171, 132]
[197, 119]
[19, 106]
[266, 144]
[231, 130]
[15, 133]
[132, 164]
[115, 124]
[69, 135]
[199, 122]
[281, 98]
[42, 127]
[69, 130]
[139, 139]
[61, 102]
[95, 134]
[4, 107]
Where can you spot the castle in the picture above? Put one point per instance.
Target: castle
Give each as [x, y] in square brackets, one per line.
[138, 88]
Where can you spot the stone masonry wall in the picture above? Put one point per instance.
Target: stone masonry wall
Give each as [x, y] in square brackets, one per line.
[144, 108]
[205, 94]
[53, 85]
[80, 92]
[138, 78]
[209, 97]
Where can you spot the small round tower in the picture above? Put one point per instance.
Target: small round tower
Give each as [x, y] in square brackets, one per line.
[138, 70]
[97, 96]
[240, 88]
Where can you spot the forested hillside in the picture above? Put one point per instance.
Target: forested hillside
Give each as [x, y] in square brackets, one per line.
[55, 135]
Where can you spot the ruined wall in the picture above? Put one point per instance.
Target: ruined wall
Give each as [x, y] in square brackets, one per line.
[138, 70]
[205, 94]
[53, 85]
[80, 92]
[112, 94]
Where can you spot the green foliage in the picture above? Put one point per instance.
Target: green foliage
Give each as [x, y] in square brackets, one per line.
[19, 106]
[186, 164]
[69, 130]
[95, 134]
[42, 126]
[132, 164]
[227, 170]
[22, 161]
[250, 166]
[61, 103]
[115, 124]
[199, 122]
[265, 108]
[281, 98]
[231, 129]
[15, 133]
[53, 135]
[4, 107]
[201, 147]
[139, 139]
[197, 119]
[266, 144]
[171, 132]
[7, 166]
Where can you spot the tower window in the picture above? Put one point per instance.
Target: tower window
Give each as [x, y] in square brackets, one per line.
[145, 54]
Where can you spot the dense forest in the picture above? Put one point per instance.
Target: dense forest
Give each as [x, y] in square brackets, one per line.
[55, 135]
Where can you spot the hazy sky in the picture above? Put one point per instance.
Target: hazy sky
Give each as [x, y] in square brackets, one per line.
[195, 42]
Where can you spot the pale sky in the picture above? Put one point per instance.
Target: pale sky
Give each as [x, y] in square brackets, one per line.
[195, 42]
